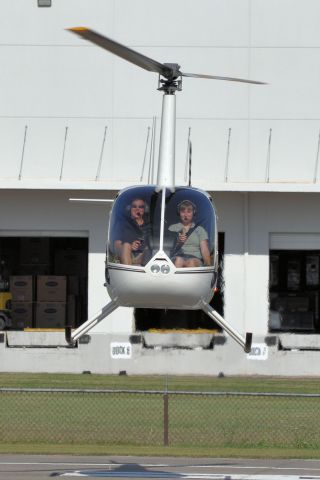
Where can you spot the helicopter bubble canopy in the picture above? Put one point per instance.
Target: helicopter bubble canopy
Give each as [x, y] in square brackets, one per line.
[148, 222]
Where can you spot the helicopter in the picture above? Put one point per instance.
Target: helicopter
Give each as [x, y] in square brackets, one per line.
[162, 250]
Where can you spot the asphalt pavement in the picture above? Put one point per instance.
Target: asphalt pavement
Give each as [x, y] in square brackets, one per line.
[40, 467]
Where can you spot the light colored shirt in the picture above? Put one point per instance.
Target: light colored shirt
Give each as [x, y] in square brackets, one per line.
[192, 245]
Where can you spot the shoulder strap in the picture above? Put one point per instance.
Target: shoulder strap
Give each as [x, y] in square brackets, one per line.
[177, 246]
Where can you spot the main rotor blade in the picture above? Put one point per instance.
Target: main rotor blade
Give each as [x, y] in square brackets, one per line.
[141, 60]
[122, 51]
[214, 77]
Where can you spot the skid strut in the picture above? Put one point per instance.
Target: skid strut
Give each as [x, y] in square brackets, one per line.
[73, 336]
[244, 342]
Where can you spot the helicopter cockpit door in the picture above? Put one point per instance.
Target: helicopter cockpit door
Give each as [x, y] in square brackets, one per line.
[147, 222]
[190, 234]
[135, 225]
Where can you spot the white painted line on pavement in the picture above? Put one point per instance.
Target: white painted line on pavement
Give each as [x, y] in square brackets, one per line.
[186, 476]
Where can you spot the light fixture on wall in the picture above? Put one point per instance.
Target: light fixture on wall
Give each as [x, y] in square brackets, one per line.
[44, 3]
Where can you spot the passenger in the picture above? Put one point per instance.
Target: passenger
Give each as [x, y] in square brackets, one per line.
[132, 246]
[191, 247]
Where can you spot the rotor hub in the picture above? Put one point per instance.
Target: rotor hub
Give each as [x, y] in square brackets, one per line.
[170, 86]
[171, 80]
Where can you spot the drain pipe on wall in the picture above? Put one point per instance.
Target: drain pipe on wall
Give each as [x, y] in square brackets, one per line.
[245, 255]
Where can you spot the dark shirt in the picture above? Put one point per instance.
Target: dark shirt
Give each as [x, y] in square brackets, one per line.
[129, 231]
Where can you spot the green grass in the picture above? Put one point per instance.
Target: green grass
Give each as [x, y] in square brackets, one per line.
[147, 450]
[196, 383]
[127, 423]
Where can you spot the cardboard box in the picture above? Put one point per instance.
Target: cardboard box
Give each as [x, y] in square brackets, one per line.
[50, 315]
[51, 288]
[22, 315]
[71, 262]
[34, 250]
[21, 288]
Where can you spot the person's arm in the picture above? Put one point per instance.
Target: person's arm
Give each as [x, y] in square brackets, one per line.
[204, 245]
[205, 252]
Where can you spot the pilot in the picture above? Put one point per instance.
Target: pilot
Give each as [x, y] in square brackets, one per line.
[133, 242]
[191, 246]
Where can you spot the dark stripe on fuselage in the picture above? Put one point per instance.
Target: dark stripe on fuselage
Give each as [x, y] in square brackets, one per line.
[126, 269]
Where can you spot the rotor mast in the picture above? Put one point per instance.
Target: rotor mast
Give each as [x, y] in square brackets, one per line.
[167, 146]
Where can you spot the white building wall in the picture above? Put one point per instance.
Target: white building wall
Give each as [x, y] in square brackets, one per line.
[247, 219]
[53, 80]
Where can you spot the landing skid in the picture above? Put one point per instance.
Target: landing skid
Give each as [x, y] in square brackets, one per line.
[244, 342]
[73, 336]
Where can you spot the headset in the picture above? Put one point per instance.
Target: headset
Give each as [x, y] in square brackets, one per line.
[146, 206]
[188, 203]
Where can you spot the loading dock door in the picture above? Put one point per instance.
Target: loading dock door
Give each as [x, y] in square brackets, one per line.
[294, 282]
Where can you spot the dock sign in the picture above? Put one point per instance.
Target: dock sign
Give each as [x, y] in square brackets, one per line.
[259, 351]
[120, 350]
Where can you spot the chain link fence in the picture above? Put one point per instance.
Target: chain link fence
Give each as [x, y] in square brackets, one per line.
[136, 417]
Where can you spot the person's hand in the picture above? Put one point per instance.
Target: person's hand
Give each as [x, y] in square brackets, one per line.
[182, 237]
[136, 245]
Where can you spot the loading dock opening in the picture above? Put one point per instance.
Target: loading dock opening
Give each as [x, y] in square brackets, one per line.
[47, 279]
[294, 291]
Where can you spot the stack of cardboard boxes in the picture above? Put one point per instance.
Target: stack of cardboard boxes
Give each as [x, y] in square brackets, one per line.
[42, 300]
[22, 291]
[39, 302]
[51, 301]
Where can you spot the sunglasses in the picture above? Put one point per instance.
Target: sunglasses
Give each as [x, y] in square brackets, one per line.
[137, 206]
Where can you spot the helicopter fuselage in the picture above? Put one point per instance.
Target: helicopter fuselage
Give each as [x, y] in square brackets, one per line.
[150, 277]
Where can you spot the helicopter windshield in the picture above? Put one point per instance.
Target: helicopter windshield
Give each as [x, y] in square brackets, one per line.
[188, 227]
[134, 232]
[189, 233]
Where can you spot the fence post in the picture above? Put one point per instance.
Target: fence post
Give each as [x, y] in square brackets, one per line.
[166, 419]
